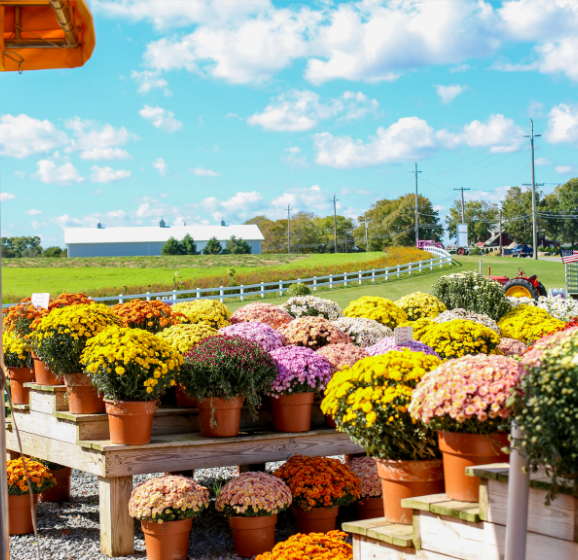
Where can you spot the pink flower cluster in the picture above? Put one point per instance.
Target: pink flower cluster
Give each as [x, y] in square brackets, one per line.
[472, 386]
[340, 355]
[262, 313]
[300, 370]
[263, 334]
[512, 347]
[313, 332]
[366, 469]
[533, 356]
[388, 344]
[254, 493]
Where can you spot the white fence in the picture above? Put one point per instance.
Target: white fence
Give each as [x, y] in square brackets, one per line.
[260, 290]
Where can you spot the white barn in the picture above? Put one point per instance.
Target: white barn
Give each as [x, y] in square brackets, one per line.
[149, 241]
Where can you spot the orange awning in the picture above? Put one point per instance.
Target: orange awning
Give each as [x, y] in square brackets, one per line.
[42, 34]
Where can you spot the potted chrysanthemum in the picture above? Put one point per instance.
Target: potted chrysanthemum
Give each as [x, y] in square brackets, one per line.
[252, 501]
[319, 485]
[18, 362]
[330, 546]
[152, 316]
[132, 368]
[419, 305]
[313, 332]
[266, 313]
[166, 506]
[213, 313]
[377, 308]
[311, 306]
[363, 332]
[370, 504]
[301, 373]
[269, 338]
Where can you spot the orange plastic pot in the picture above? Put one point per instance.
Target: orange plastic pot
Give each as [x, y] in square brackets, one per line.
[369, 508]
[19, 376]
[83, 397]
[183, 400]
[44, 375]
[407, 479]
[225, 412]
[60, 492]
[468, 450]
[292, 413]
[20, 514]
[253, 535]
[168, 540]
[130, 423]
[316, 520]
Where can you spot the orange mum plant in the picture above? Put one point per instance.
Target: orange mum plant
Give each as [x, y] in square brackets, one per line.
[320, 546]
[152, 316]
[319, 482]
[40, 477]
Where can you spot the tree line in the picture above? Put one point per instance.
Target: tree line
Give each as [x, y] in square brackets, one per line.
[188, 246]
[28, 247]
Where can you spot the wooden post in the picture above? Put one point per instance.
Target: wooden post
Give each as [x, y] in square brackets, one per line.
[315, 283]
[262, 290]
[242, 292]
[116, 526]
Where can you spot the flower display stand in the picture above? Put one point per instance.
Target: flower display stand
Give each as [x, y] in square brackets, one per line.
[444, 529]
[81, 441]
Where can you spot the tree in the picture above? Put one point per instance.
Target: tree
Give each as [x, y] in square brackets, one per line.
[53, 252]
[172, 247]
[568, 202]
[15, 247]
[189, 246]
[517, 214]
[237, 247]
[325, 233]
[481, 218]
[213, 247]
[274, 232]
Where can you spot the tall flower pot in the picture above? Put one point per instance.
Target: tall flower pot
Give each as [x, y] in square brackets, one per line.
[183, 400]
[225, 412]
[43, 374]
[60, 492]
[253, 535]
[168, 540]
[19, 376]
[83, 397]
[407, 479]
[292, 413]
[316, 520]
[130, 422]
[369, 508]
[468, 450]
[20, 514]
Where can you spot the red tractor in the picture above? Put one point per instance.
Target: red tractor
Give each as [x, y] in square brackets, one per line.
[521, 286]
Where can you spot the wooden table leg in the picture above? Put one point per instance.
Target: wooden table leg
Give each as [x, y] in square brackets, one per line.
[116, 526]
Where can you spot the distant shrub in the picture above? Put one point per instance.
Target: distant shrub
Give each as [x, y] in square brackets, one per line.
[298, 290]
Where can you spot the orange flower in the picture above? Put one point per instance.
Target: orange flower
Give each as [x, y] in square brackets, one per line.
[152, 316]
[314, 546]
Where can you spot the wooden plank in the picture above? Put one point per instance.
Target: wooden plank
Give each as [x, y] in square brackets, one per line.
[370, 549]
[48, 401]
[488, 471]
[398, 535]
[423, 503]
[116, 526]
[46, 425]
[460, 510]
[361, 527]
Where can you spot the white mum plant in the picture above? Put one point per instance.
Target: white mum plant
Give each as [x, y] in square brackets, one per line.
[363, 332]
[563, 309]
[311, 306]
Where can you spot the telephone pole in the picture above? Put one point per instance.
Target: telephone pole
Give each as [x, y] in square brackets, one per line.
[416, 207]
[534, 216]
[463, 205]
[289, 228]
[335, 221]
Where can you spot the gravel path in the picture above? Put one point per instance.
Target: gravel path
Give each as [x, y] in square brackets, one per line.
[70, 531]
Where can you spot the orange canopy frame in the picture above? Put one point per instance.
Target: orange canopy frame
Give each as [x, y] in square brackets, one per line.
[42, 34]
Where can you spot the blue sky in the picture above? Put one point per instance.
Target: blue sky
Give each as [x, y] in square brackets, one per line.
[195, 111]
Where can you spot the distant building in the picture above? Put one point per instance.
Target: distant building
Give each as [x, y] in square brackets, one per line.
[148, 241]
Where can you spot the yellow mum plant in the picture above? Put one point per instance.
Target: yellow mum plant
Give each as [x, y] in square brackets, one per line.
[528, 323]
[458, 338]
[421, 306]
[370, 401]
[130, 364]
[184, 337]
[420, 327]
[379, 309]
[210, 311]
[16, 351]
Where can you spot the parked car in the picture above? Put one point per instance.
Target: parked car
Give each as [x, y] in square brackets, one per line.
[522, 251]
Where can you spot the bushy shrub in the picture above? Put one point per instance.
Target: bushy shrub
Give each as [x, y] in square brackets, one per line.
[298, 290]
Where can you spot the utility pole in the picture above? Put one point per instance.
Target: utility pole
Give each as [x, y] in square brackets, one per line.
[416, 207]
[463, 205]
[500, 220]
[534, 216]
[335, 221]
[289, 228]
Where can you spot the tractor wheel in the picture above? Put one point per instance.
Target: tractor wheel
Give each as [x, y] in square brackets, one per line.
[520, 288]
[541, 290]
[460, 251]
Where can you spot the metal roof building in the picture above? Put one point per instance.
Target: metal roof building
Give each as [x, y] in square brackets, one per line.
[149, 241]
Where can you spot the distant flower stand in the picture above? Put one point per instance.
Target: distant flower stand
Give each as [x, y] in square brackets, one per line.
[82, 441]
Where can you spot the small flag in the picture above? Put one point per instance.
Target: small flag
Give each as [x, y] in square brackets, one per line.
[568, 256]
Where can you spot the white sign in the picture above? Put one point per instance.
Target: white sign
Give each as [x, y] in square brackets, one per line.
[558, 292]
[462, 235]
[40, 300]
[403, 335]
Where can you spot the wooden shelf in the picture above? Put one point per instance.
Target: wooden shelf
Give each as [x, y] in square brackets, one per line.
[441, 504]
[383, 531]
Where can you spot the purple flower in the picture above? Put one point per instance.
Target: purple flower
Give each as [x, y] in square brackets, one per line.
[388, 344]
[263, 334]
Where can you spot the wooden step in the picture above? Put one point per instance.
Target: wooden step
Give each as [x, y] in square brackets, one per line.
[379, 529]
[441, 504]
[47, 398]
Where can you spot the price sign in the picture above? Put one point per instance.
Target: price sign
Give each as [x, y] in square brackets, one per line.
[403, 335]
[558, 292]
[40, 300]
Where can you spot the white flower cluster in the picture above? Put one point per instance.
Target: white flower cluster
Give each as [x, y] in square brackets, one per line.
[480, 318]
[363, 332]
[311, 306]
[563, 309]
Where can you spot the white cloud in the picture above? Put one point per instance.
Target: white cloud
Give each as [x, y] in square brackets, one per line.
[160, 118]
[149, 80]
[297, 111]
[496, 196]
[4, 196]
[293, 159]
[98, 143]
[499, 132]
[542, 161]
[33, 212]
[108, 174]
[562, 124]
[563, 169]
[460, 68]
[160, 165]
[21, 136]
[201, 172]
[242, 205]
[66, 174]
[448, 93]
[20, 174]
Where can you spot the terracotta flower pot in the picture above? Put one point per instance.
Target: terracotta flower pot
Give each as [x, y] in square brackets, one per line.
[253, 535]
[407, 479]
[369, 508]
[20, 515]
[316, 520]
[60, 492]
[130, 422]
[168, 540]
[44, 375]
[330, 422]
[292, 413]
[83, 397]
[183, 400]
[226, 413]
[468, 450]
[19, 376]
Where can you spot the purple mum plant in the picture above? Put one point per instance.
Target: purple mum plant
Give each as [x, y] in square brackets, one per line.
[263, 334]
[387, 344]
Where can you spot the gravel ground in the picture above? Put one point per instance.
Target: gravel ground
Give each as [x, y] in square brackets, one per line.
[70, 531]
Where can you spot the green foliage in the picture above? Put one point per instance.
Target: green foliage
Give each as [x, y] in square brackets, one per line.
[16, 247]
[517, 214]
[563, 200]
[237, 247]
[172, 247]
[189, 247]
[480, 217]
[298, 290]
[54, 251]
[213, 247]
